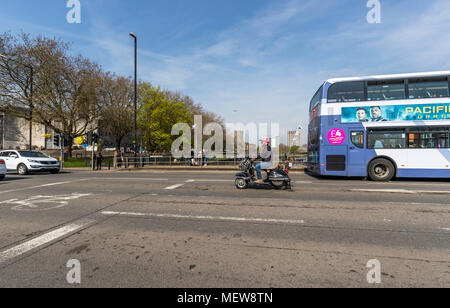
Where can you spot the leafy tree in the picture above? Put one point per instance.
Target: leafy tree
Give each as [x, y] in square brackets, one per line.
[157, 115]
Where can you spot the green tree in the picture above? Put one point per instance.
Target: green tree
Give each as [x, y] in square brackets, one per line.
[157, 115]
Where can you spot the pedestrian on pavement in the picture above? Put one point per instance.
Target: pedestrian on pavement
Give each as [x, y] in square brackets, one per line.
[192, 160]
[205, 158]
[99, 161]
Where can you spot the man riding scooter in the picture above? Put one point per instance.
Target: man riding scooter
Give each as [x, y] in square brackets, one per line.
[277, 175]
[266, 157]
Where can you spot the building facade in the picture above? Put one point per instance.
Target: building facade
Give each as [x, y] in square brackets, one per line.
[15, 134]
[294, 139]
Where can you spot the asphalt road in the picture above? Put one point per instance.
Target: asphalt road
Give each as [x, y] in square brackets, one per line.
[194, 229]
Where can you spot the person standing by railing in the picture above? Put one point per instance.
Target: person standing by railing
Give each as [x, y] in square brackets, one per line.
[99, 161]
[205, 158]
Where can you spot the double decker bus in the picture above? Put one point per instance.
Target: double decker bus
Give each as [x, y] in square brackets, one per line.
[381, 127]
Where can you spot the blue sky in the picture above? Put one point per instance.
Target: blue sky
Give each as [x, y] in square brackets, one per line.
[263, 58]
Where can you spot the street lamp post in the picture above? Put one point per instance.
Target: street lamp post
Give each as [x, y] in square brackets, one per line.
[31, 107]
[135, 96]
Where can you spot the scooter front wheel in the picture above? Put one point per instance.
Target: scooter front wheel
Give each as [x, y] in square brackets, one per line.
[241, 184]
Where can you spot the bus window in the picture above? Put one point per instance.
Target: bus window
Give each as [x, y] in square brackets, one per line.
[316, 99]
[384, 91]
[358, 139]
[434, 139]
[345, 92]
[386, 140]
[428, 88]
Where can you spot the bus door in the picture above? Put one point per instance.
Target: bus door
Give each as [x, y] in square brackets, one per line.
[356, 152]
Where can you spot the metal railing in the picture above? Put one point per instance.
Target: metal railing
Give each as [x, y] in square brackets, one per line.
[169, 161]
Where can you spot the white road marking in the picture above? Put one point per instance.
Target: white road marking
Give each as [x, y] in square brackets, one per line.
[233, 219]
[212, 180]
[446, 229]
[131, 179]
[42, 240]
[39, 186]
[47, 202]
[402, 191]
[174, 186]
[303, 182]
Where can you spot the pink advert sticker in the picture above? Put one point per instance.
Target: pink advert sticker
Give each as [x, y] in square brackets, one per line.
[336, 136]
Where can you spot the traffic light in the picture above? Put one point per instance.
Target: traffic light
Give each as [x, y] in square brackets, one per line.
[89, 138]
[66, 141]
[95, 138]
[56, 140]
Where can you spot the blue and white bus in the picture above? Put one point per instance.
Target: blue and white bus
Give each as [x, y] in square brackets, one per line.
[381, 127]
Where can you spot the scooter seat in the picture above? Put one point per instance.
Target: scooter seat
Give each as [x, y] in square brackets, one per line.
[274, 166]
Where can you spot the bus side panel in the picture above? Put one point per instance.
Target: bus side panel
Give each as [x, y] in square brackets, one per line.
[424, 173]
[427, 163]
[334, 161]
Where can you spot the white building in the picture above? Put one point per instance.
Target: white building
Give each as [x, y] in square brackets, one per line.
[294, 139]
[15, 134]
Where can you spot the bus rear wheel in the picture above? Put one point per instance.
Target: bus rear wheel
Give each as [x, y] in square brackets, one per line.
[381, 170]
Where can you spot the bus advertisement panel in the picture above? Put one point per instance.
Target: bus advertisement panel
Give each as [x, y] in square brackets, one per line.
[397, 113]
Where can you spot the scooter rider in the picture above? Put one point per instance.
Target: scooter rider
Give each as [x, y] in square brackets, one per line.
[266, 157]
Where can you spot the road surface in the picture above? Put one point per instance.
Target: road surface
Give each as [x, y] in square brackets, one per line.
[194, 229]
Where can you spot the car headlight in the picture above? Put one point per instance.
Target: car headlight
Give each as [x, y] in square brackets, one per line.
[34, 161]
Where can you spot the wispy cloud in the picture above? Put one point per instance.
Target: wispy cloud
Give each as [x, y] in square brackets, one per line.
[259, 35]
[268, 63]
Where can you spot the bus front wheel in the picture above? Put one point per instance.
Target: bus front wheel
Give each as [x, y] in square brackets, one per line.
[381, 170]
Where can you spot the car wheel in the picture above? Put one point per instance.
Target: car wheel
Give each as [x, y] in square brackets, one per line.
[2, 177]
[381, 170]
[22, 169]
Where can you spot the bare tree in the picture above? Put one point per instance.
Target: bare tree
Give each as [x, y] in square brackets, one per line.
[117, 98]
[17, 74]
[67, 99]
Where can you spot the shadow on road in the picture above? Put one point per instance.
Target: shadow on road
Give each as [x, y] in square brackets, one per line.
[12, 179]
[398, 180]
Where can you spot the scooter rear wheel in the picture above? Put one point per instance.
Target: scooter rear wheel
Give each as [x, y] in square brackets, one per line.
[241, 184]
[279, 184]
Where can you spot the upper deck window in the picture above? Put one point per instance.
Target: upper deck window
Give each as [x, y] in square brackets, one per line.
[386, 90]
[346, 92]
[316, 99]
[428, 88]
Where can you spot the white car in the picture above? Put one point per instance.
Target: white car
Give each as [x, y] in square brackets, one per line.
[2, 169]
[25, 162]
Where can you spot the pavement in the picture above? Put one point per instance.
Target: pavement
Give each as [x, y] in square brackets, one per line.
[176, 167]
[194, 229]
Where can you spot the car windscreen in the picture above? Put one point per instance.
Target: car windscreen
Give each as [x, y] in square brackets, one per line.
[32, 154]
